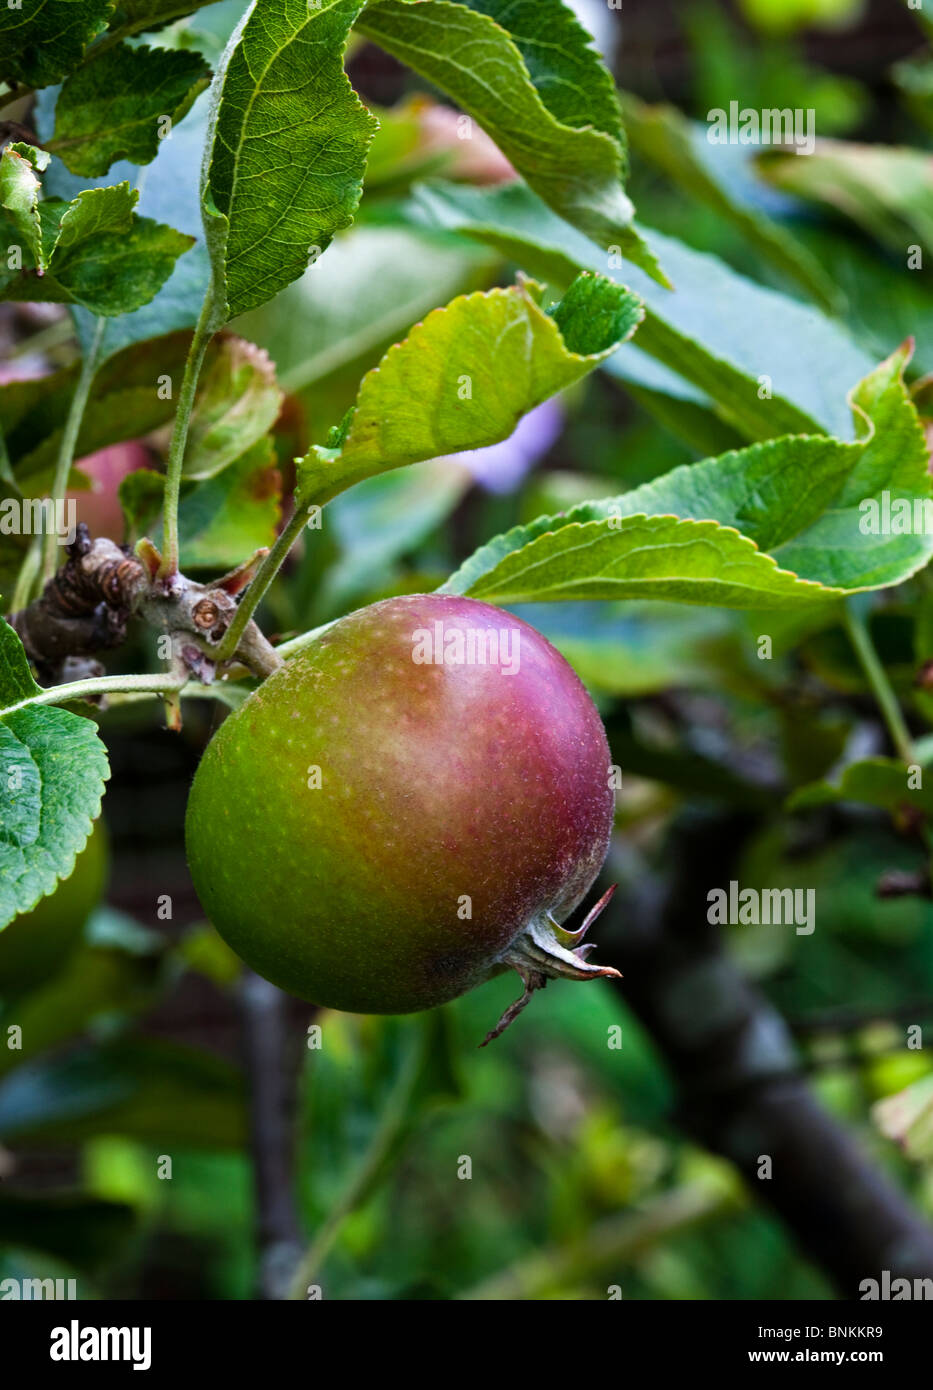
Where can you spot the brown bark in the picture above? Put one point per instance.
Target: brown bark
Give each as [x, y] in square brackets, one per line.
[85, 607]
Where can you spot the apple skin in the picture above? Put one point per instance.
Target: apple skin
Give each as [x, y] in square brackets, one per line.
[35, 945]
[99, 505]
[439, 782]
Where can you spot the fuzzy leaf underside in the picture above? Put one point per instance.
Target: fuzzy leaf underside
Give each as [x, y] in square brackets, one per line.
[539, 93]
[770, 364]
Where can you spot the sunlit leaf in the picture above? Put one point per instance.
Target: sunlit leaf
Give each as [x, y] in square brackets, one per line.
[483, 362]
[286, 149]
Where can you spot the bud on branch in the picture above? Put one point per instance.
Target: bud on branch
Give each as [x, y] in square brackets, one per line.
[85, 607]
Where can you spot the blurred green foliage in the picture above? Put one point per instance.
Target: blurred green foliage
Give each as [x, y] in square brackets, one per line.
[552, 1162]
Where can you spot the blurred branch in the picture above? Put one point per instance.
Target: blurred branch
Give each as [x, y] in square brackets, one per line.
[271, 1080]
[606, 1246]
[742, 1094]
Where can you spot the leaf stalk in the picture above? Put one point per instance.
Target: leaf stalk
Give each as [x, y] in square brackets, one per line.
[203, 333]
[264, 576]
[69, 441]
[876, 676]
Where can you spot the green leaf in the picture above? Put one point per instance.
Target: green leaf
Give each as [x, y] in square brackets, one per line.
[19, 193]
[227, 517]
[107, 258]
[96, 982]
[115, 106]
[286, 149]
[143, 1087]
[882, 782]
[807, 499]
[238, 402]
[134, 16]
[330, 328]
[852, 545]
[768, 491]
[773, 366]
[567, 72]
[887, 191]
[681, 149]
[54, 769]
[479, 364]
[16, 679]
[556, 118]
[168, 192]
[222, 519]
[40, 42]
[127, 401]
[804, 499]
[52, 772]
[657, 557]
[632, 649]
[95, 251]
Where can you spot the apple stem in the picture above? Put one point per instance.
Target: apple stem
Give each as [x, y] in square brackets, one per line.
[533, 980]
[544, 950]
